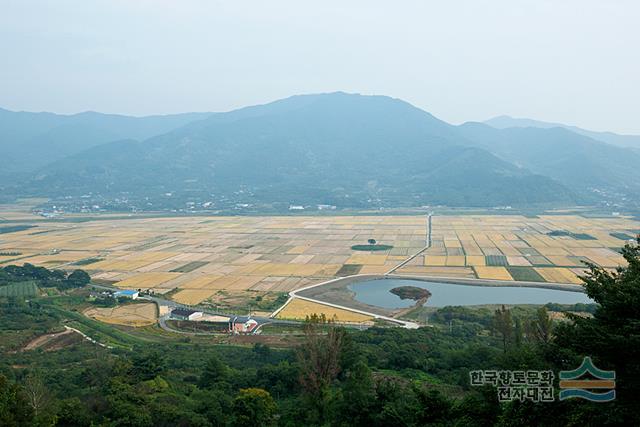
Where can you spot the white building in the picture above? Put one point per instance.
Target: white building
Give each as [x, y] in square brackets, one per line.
[127, 293]
[186, 314]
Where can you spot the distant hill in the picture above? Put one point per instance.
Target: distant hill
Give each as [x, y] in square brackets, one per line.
[580, 162]
[341, 149]
[338, 149]
[32, 140]
[629, 141]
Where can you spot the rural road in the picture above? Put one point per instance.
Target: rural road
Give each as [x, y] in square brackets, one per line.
[172, 304]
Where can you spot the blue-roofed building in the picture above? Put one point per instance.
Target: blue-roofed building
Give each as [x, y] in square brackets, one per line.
[126, 293]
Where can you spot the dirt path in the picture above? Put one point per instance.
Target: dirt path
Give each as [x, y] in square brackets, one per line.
[42, 340]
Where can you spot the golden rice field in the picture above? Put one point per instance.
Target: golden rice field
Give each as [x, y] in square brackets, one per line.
[551, 247]
[193, 258]
[298, 309]
[193, 296]
[493, 273]
[135, 315]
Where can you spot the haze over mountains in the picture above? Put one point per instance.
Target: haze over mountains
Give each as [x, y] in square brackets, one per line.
[32, 140]
[339, 149]
[503, 122]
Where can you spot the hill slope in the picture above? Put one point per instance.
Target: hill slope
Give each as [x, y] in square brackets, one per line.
[32, 140]
[583, 164]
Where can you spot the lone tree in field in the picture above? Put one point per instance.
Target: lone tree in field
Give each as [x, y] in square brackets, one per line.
[372, 241]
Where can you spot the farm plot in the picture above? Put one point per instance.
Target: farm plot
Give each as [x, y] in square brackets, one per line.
[193, 296]
[493, 273]
[299, 309]
[188, 268]
[135, 315]
[525, 274]
[558, 275]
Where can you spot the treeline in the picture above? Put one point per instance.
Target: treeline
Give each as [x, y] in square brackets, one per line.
[44, 277]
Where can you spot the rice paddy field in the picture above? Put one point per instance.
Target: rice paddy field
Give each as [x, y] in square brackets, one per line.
[191, 259]
[299, 309]
[549, 248]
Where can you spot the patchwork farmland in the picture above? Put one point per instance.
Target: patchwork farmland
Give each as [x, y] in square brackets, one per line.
[191, 259]
[551, 248]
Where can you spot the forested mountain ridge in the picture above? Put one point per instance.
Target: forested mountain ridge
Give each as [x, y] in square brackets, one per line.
[335, 148]
[579, 162]
[341, 149]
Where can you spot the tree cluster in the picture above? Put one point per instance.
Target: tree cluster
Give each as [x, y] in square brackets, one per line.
[44, 277]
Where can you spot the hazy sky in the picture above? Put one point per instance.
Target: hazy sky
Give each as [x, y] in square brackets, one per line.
[573, 61]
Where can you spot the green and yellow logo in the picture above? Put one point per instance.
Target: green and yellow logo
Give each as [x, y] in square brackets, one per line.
[572, 386]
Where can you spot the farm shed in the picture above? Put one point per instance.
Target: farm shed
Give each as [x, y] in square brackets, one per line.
[127, 293]
[185, 314]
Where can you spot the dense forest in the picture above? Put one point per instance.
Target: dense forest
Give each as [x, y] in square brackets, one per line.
[332, 376]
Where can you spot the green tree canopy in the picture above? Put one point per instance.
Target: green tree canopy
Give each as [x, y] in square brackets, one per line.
[612, 336]
[15, 409]
[254, 407]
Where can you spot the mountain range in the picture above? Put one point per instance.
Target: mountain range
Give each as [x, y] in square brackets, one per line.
[32, 140]
[503, 122]
[341, 149]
